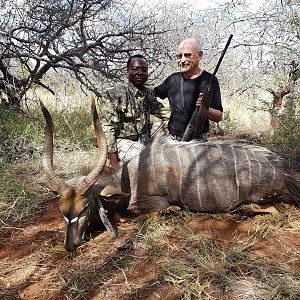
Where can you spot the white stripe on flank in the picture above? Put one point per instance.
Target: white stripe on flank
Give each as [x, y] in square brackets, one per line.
[265, 153]
[259, 174]
[274, 173]
[164, 163]
[250, 175]
[223, 161]
[154, 177]
[180, 169]
[197, 179]
[236, 173]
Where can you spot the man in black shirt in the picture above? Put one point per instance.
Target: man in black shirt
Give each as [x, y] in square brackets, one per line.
[183, 89]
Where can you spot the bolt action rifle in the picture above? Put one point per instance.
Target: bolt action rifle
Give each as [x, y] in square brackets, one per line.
[195, 126]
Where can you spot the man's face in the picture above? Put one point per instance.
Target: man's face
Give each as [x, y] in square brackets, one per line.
[138, 72]
[187, 57]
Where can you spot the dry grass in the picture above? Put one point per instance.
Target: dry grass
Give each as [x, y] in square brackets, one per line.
[240, 119]
[176, 256]
[201, 268]
[162, 256]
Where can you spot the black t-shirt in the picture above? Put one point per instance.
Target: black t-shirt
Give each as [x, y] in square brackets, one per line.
[181, 113]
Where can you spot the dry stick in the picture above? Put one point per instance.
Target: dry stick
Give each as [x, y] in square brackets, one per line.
[103, 216]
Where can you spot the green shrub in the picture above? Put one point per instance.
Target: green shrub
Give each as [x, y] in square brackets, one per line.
[20, 136]
[74, 126]
[16, 199]
[285, 139]
[21, 142]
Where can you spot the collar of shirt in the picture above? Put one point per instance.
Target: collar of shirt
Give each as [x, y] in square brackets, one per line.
[135, 91]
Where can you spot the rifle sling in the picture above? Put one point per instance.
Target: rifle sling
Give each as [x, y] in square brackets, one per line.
[182, 95]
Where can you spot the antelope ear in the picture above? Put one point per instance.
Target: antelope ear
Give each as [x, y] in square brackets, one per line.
[110, 191]
[47, 185]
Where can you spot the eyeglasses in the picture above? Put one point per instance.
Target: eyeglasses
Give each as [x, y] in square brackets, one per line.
[186, 55]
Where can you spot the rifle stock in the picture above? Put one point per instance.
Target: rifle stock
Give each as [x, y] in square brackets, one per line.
[190, 128]
[195, 126]
[196, 123]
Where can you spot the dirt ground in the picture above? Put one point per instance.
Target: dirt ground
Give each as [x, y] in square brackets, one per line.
[34, 264]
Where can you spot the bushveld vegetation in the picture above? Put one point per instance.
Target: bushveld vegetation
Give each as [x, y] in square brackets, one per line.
[176, 256]
[179, 255]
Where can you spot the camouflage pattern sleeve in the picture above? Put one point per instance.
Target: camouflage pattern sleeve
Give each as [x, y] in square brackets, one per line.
[110, 118]
[157, 108]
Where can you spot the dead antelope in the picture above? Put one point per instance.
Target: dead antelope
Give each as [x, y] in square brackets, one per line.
[78, 201]
[200, 177]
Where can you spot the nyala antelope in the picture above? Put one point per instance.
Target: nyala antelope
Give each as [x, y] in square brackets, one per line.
[207, 177]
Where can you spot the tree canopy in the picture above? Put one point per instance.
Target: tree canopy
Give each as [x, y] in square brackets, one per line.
[92, 39]
[83, 36]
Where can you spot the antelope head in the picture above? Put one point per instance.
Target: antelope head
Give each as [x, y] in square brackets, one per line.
[77, 202]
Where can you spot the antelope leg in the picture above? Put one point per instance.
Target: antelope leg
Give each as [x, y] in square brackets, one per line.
[103, 216]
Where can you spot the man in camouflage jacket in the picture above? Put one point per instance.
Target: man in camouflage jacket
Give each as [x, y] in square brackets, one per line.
[126, 110]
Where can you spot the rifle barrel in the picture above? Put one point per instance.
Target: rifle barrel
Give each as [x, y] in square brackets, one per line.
[222, 56]
[196, 122]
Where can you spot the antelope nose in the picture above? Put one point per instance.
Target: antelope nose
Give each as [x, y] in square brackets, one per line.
[71, 247]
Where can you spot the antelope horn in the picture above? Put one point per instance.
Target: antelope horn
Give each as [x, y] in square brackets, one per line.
[55, 181]
[90, 179]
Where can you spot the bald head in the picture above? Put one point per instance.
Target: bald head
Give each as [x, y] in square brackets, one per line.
[192, 43]
[189, 54]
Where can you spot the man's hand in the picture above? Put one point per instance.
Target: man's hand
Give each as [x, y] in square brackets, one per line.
[200, 99]
[212, 114]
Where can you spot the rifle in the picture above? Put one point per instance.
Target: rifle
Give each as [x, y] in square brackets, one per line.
[196, 123]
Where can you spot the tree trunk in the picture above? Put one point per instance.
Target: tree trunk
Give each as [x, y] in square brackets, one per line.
[277, 103]
[278, 95]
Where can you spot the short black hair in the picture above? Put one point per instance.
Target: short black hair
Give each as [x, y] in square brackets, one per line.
[132, 57]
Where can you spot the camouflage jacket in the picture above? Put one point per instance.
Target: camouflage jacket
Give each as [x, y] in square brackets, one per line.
[125, 112]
